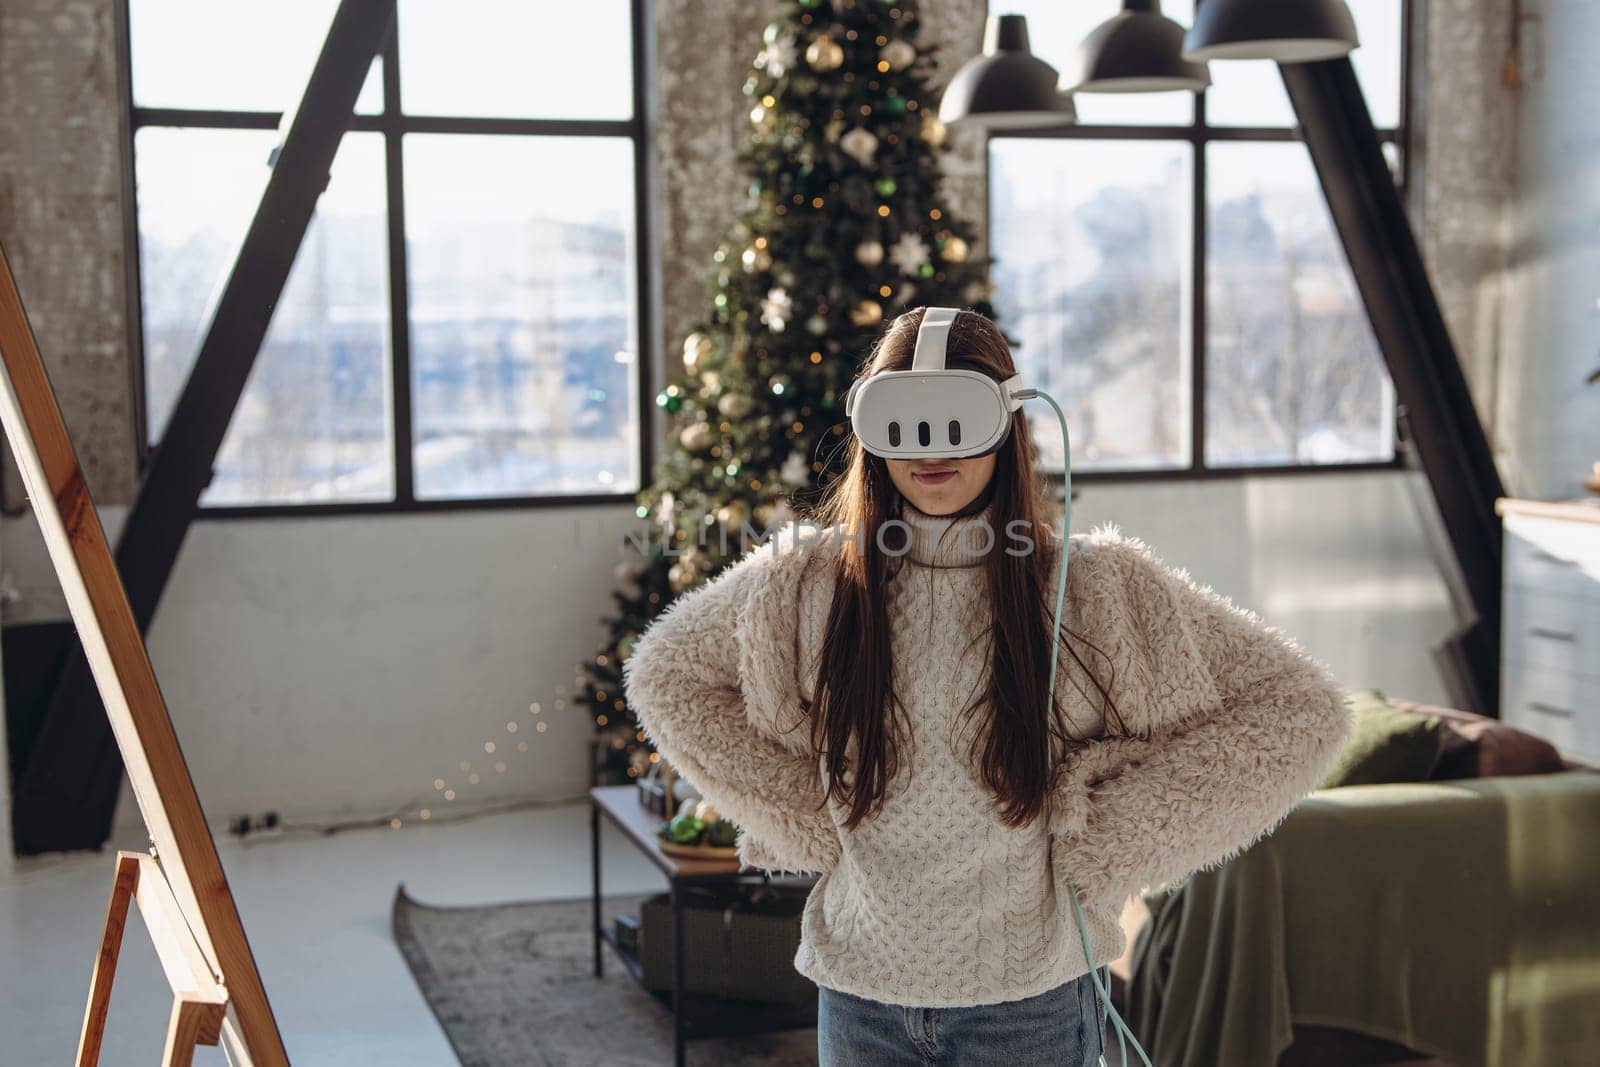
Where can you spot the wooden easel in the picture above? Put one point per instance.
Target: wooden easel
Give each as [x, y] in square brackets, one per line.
[181, 891]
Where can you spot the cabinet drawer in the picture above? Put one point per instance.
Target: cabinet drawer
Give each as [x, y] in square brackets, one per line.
[1556, 556]
[1562, 708]
[1544, 629]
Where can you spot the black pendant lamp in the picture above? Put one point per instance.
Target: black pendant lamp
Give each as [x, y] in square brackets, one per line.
[1007, 87]
[1289, 31]
[1135, 51]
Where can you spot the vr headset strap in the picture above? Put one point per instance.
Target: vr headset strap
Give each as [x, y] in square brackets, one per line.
[932, 337]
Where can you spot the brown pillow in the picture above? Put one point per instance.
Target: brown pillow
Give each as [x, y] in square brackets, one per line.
[1477, 746]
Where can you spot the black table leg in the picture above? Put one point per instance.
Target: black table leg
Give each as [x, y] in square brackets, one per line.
[677, 975]
[594, 875]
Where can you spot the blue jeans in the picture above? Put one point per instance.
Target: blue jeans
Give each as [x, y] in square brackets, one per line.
[1060, 1027]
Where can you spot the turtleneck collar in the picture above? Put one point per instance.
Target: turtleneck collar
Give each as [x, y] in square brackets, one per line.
[950, 541]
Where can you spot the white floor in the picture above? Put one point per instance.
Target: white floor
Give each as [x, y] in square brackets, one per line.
[316, 910]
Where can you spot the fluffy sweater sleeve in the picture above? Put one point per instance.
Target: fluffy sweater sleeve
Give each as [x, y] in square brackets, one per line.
[689, 682]
[1230, 723]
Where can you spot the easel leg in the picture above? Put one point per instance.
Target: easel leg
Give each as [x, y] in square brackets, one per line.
[93, 1033]
[184, 1032]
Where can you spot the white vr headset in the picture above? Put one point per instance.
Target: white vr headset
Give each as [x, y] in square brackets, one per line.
[929, 412]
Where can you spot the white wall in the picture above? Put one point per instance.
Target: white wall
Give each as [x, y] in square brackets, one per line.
[337, 666]
[1338, 561]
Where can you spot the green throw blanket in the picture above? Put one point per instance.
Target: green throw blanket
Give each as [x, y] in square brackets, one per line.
[1456, 918]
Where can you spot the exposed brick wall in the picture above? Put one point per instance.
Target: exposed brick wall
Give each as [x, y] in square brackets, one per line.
[62, 135]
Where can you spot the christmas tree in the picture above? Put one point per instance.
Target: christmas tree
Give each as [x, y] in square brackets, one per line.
[843, 228]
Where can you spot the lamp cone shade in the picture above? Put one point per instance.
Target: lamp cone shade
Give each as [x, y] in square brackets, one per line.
[1137, 50]
[1007, 87]
[1289, 31]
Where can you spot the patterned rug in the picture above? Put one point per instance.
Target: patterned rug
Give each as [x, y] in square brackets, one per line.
[514, 984]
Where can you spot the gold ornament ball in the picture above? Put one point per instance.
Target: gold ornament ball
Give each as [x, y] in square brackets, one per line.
[710, 382]
[678, 577]
[696, 436]
[733, 515]
[696, 346]
[899, 54]
[735, 405]
[954, 251]
[933, 131]
[824, 54]
[756, 260]
[833, 131]
[869, 253]
[867, 313]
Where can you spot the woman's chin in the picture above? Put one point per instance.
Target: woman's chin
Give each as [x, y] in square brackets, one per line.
[945, 499]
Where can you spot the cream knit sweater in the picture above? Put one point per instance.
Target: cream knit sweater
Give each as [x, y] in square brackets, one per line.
[935, 902]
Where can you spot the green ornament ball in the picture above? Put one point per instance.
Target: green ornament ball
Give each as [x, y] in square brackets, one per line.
[925, 271]
[895, 105]
[810, 3]
[885, 186]
[671, 402]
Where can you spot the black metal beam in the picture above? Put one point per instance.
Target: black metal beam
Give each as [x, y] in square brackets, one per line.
[1445, 430]
[66, 795]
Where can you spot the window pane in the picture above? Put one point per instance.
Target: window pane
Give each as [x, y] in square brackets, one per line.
[1250, 92]
[491, 58]
[231, 57]
[1054, 30]
[197, 191]
[1093, 241]
[313, 422]
[1293, 373]
[523, 308]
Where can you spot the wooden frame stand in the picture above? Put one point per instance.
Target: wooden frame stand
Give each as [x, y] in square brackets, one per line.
[198, 1000]
[182, 892]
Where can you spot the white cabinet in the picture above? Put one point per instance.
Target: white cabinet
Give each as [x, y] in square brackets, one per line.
[1550, 645]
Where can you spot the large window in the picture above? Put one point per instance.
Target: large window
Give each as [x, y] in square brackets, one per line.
[490, 355]
[1171, 272]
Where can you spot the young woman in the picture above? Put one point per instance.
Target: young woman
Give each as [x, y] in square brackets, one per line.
[865, 698]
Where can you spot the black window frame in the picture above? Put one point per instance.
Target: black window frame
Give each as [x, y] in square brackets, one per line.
[1198, 135]
[393, 123]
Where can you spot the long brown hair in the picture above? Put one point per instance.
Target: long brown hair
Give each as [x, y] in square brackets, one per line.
[857, 723]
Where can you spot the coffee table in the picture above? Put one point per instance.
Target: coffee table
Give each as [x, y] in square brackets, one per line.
[693, 1015]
